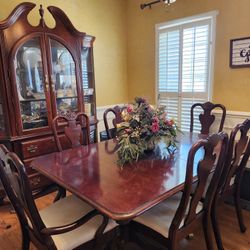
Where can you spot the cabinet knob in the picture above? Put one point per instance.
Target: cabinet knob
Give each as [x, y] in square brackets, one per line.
[53, 86]
[53, 82]
[47, 86]
[35, 181]
[32, 148]
[47, 83]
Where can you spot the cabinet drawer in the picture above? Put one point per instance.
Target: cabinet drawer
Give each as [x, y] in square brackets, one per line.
[41, 146]
[37, 147]
[37, 181]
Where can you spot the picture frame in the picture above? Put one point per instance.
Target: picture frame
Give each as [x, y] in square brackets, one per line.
[240, 52]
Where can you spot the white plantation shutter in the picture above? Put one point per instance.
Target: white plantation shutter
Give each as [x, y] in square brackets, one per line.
[171, 104]
[183, 68]
[168, 71]
[169, 44]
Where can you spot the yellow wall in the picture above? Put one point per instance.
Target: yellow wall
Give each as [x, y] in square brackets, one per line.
[124, 50]
[104, 19]
[231, 86]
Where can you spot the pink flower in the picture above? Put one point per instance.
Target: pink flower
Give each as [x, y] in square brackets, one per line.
[127, 130]
[129, 109]
[164, 115]
[155, 127]
[169, 122]
[155, 119]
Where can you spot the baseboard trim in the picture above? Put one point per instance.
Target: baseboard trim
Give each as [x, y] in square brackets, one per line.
[232, 118]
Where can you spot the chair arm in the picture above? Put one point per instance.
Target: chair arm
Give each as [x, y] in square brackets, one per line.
[71, 226]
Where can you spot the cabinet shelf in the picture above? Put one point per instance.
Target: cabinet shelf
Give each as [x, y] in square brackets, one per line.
[43, 99]
[33, 100]
[66, 97]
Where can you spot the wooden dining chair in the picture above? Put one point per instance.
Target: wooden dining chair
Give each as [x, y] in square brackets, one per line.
[206, 118]
[66, 224]
[179, 215]
[111, 131]
[230, 182]
[76, 129]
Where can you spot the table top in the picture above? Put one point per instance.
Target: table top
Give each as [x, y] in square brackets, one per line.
[91, 172]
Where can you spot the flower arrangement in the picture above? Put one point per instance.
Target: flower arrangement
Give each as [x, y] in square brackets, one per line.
[143, 126]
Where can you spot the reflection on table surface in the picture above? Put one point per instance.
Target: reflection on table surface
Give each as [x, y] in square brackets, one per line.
[91, 172]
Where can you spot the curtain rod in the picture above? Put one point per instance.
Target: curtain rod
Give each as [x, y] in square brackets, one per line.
[144, 5]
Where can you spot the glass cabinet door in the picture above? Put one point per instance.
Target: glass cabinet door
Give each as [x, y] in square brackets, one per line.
[88, 79]
[30, 84]
[63, 78]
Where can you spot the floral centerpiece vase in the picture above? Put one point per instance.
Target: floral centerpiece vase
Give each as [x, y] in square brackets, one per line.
[142, 127]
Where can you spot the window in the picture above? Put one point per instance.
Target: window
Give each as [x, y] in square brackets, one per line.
[184, 59]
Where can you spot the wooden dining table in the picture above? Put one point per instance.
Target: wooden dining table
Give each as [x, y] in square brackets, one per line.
[91, 172]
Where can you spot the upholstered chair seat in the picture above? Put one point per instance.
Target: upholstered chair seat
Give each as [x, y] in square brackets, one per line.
[160, 217]
[64, 212]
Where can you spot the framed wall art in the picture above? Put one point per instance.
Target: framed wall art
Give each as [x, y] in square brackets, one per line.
[240, 52]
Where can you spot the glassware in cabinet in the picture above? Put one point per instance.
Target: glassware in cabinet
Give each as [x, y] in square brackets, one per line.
[30, 84]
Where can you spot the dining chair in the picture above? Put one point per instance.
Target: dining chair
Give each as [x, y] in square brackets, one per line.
[178, 216]
[111, 131]
[206, 118]
[230, 181]
[65, 225]
[75, 126]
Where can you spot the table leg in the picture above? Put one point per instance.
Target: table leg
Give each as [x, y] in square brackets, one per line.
[124, 240]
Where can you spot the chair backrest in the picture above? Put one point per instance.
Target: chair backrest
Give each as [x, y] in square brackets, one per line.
[117, 111]
[206, 118]
[237, 155]
[72, 130]
[17, 187]
[214, 148]
[3, 152]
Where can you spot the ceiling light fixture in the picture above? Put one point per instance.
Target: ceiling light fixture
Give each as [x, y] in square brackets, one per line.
[168, 2]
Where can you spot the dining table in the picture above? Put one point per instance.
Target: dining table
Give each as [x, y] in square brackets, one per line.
[92, 173]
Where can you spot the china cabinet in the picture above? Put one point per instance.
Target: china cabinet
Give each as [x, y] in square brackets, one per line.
[43, 71]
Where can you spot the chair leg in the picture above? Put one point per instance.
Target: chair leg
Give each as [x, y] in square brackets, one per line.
[114, 242]
[238, 209]
[25, 240]
[99, 234]
[216, 227]
[207, 231]
[60, 194]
